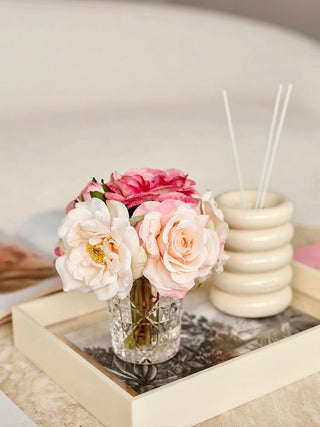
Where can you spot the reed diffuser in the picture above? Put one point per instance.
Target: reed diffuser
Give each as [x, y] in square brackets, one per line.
[256, 281]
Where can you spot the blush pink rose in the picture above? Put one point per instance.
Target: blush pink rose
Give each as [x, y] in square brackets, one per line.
[91, 186]
[85, 194]
[71, 205]
[58, 251]
[139, 185]
[178, 243]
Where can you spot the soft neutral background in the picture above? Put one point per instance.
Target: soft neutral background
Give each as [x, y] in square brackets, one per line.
[87, 88]
[302, 16]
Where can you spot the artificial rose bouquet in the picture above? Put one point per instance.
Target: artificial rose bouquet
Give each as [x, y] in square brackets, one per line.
[146, 223]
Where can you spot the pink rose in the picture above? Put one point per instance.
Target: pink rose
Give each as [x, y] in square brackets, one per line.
[179, 246]
[139, 185]
[85, 194]
[71, 205]
[91, 186]
[58, 251]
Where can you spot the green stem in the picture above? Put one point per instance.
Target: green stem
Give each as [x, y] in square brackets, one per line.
[142, 302]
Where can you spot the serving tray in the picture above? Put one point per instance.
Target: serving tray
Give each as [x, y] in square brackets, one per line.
[223, 361]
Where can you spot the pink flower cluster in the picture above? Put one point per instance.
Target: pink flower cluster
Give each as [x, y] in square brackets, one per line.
[181, 235]
[140, 185]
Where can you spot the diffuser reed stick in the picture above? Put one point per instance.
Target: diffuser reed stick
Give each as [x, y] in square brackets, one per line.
[270, 138]
[275, 146]
[272, 146]
[234, 147]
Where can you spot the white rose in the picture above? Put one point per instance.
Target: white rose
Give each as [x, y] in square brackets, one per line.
[209, 207]
[101, 249]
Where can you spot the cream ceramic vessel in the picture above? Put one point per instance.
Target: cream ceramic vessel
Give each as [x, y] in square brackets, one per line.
[257, 276]
[261, 305]
[254, 283]
[259, 262]
[278, 210]
[259, 240]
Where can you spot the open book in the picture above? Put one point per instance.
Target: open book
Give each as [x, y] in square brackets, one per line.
[26, 261]
[24, 275]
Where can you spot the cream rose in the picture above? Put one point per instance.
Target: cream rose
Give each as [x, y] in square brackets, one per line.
[209, 207]
[100, 249]
[179, 245]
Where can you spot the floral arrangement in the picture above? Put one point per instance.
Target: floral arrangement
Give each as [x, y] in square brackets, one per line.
[145, 223]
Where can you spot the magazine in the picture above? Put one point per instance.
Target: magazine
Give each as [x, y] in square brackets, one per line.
[24, 275]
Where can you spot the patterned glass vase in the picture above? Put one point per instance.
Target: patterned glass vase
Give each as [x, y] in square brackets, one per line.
[145, 326]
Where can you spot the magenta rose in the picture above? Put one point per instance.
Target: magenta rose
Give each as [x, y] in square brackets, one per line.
[85, 194]
[140, 185]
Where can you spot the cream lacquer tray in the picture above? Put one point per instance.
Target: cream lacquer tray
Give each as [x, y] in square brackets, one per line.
[223, 361]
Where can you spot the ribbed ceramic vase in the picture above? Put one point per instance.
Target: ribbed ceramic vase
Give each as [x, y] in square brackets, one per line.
[257, 276]
[145, 326]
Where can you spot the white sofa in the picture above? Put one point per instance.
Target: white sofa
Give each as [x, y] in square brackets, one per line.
[90, 87]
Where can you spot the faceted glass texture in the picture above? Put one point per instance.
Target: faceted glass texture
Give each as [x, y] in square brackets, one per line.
[145, 326]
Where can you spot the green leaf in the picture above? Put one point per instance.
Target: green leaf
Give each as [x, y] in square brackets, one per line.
[129, 342]
[94, 180]
[135, 219]
[199, 281]
[98, 195]
[104, 185]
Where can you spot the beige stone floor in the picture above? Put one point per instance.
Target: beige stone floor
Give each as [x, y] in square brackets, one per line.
[49, 406]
